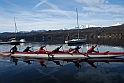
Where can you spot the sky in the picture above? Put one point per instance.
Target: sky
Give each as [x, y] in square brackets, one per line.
[58, 14]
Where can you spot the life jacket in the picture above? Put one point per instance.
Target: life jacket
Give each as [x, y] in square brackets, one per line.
[91, 49]
[41, 51]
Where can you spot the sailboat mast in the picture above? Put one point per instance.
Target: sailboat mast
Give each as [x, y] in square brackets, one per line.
[77, 23]
[15, 27]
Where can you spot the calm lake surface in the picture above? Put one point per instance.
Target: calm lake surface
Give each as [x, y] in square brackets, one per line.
[68, 72]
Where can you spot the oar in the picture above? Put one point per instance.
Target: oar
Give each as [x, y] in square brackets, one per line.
[47, 52]
[85, 53]
[81, 49]
[62, 48]
[32, 48]
[97, 49]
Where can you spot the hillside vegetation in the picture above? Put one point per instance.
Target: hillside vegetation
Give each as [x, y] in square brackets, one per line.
[61, 35]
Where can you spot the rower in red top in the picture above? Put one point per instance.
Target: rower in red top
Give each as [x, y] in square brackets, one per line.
[92, 49]
[41, 50]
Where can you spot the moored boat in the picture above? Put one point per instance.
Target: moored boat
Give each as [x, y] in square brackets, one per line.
[77, 40]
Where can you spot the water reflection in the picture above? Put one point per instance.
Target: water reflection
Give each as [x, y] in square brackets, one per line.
[77, 63]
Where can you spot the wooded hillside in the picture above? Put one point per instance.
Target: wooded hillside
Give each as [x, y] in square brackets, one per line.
[61, 35]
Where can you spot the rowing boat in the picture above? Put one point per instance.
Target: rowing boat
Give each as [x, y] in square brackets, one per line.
[60, 55]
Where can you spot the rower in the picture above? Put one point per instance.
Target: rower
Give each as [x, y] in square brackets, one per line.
[27, 49]
[57, 49]
[13, 49]
[41, 50]
[92, 49]
[76, 49]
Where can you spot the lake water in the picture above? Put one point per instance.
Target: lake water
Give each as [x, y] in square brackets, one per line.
[67, 72]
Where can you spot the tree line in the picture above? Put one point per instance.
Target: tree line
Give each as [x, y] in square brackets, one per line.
[61, 35]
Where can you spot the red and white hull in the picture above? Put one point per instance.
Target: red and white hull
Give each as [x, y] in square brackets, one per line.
[60, 55]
